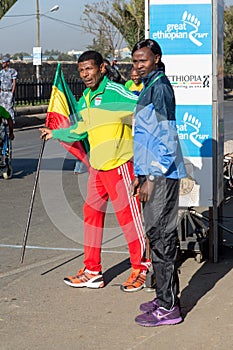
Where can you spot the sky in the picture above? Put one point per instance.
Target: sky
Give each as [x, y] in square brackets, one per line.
[18, 34]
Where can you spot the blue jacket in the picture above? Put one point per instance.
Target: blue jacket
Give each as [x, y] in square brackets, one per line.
[157, 148]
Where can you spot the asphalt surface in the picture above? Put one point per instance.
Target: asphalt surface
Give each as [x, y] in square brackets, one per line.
[29, 121]
[38, 311]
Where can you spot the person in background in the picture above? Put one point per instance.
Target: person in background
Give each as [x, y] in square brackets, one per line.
[114, 63]
[135, 84]
[158, 167]
[5, 119]
[8, 78]
[106, 109]
[80, 167]
[111, 72]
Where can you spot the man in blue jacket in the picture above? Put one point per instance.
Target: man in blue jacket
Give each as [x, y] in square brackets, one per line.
[158, 166]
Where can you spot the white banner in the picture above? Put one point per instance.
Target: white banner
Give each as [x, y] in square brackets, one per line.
[192, 82]
[37, 56]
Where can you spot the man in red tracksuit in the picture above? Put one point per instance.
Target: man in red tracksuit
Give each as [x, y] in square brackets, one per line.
[106, 110]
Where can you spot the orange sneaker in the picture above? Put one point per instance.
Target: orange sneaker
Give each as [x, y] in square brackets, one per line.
[135, 282]
[85, 279]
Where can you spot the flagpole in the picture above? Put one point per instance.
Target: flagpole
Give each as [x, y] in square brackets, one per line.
[31, 203]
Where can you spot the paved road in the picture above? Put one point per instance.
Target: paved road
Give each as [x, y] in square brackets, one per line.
[54, 222]
[37, 311]
[57, 214]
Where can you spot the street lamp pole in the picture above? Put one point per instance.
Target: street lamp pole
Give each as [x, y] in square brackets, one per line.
[37, 38]
[54, 8]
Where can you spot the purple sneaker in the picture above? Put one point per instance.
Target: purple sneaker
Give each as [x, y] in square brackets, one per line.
[159, 317]
[149, 306]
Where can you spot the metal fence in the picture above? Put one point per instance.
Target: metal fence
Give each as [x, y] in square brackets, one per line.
[33, 93]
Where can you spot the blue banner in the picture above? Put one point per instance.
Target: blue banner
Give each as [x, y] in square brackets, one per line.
[182, 29]
[194, 125]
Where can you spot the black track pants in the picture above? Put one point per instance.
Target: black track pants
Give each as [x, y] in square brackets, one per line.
[160, 215]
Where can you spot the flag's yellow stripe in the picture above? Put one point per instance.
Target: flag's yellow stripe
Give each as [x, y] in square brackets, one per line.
[58, 103]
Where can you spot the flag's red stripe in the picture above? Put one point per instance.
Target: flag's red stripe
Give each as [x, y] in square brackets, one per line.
[56, 120]
[62, 104]
[77, 150]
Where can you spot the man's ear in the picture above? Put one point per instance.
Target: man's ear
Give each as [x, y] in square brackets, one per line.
[102, 68]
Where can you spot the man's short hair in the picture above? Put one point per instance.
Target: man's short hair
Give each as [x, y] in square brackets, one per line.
[151, 44]
[91, 55]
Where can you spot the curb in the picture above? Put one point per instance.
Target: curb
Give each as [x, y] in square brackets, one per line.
[29, 110]
[29, 120]
[30, 116]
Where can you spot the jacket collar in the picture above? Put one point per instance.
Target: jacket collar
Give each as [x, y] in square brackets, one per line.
[151, 76]
[99, 90]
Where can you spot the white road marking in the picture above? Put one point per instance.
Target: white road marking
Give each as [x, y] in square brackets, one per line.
[16, 246]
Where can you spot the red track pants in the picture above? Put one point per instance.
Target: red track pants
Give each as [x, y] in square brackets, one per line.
[113, 184]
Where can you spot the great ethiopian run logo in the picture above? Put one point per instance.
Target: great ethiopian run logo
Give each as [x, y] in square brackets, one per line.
[182, 28]
[194, 127]
[192, 130]
[189, 27]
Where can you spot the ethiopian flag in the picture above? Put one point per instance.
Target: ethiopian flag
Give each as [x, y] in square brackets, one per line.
[63, 112]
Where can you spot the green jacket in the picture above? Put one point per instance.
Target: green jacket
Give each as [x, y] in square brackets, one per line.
[107, 118]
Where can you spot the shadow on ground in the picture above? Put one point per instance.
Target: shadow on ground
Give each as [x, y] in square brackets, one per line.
[23, 167]
[205, 279]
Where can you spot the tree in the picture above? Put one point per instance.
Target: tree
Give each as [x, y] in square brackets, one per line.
[19, 55]
[129, 19]
[51, 52]
[107, 37]
[65, 57]
[5, 5]
[228, 40]
[101, 45]
[113, 22]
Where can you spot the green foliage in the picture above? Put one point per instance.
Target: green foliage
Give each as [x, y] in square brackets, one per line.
[228, 40]
[5, 5]
[53, 55]
[5, 54]
[129, 19]
[51, 52]
[107, 37]
[19, 55]
[101, 45]
[119, 20]
[65, 57]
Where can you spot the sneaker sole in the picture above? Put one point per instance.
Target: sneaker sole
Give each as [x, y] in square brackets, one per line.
[132, 290]
[161, 323]
[89, 284]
